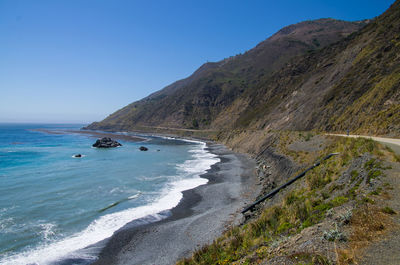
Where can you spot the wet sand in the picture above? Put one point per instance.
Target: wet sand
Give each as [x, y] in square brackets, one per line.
[201, 216]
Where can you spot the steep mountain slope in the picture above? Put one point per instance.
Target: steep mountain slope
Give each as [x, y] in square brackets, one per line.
[353, 84]
[197, 101]
[307, 76]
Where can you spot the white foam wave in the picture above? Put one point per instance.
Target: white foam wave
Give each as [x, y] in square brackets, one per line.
[74, 156]
[202, 160]
[165, 137]
[5, 223]
[106, 225]
[134, 196]
[47, 231]
[117, 190]
[181, 139]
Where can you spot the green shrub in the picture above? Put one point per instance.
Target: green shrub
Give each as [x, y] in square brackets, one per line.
[284, 227]
[388, 210]
[339, 201]
[354, 175]
[372, 174]
[308, 136]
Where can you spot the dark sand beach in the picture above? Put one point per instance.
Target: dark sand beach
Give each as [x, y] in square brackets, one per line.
[202, 215]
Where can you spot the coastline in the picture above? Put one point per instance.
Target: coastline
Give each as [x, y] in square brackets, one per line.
[203, 214]
[95, 134]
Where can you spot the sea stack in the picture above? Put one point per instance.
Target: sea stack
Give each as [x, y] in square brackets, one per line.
[106, 142]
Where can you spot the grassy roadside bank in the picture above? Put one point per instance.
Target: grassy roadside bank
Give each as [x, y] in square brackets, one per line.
[328, 217]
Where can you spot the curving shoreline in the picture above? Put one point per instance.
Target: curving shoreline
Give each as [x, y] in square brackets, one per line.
[203, 213]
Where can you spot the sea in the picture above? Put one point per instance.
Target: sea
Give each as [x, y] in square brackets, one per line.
[58, 209]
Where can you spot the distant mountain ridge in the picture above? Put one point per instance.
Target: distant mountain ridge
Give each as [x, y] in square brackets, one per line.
[323, 74]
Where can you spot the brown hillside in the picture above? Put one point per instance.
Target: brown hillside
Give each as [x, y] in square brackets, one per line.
[197, 101]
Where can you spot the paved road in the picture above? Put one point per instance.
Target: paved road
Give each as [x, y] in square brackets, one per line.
[391, 142]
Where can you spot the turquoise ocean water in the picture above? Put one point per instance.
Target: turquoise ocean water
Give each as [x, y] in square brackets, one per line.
[54, 209]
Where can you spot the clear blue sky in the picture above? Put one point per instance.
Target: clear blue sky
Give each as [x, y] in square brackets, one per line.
[80, 60]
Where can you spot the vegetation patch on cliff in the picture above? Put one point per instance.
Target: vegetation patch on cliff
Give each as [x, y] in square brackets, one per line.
[322, 219]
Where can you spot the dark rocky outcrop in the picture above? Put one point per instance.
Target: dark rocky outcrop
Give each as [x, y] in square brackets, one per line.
[106, 142]
[143, 148]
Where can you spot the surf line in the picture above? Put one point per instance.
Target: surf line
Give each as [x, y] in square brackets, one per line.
[118, 202]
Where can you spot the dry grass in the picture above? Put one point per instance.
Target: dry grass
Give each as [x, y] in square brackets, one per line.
[368, 224]
[288, 137]
[306, 206]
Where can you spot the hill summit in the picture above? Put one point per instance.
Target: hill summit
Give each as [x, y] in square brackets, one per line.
[323, 74]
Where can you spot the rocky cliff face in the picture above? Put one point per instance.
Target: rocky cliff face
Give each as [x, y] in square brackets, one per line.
[325, 74]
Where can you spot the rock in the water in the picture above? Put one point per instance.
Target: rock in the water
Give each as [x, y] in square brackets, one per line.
[142, 148]
[78, 155]
[106, 142]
